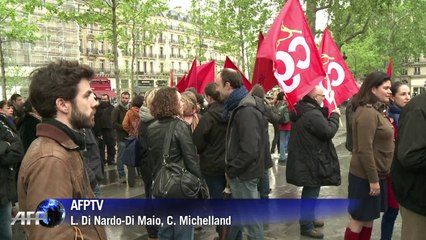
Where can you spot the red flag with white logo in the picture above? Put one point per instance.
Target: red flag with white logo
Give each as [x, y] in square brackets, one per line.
[205, 75]
[263, 73]
[230, 64]
[290, 45]
[339, 84]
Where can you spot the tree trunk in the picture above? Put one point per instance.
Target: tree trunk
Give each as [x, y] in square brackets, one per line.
[115, 46]
[3, 71]
[132, 68]
[311, 14]
[243, 52]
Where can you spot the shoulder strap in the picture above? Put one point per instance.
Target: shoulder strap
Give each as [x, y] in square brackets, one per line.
[168, 139]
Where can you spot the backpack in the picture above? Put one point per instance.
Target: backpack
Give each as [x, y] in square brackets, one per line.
[284, 116]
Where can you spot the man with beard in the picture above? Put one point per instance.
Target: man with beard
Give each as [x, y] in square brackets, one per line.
[53, 166]
[104, 130]
[117, 117]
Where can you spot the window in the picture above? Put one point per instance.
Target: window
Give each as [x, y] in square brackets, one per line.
[144, 66]
[102, 66]
[416, 70]
[417, 59]
[180, 66]
[139, 66]
[127, 64]
[161, 52]
[173, 65]
[151, 64]
[162, 67]
[91, 64]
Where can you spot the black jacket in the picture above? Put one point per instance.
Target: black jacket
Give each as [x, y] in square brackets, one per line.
[27, 131]
[92, 158]
[312, 158]
[408, 169]
[11, 154]
[182, 148]
[117, 116]
[245, 141]
[209, 138]
[103, 119]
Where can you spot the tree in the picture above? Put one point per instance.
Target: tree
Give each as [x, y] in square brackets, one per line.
[140, 30]
[15, 26]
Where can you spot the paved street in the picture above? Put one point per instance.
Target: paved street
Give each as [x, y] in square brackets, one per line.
[333, 229]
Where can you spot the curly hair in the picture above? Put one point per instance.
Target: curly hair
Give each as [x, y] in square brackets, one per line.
[165, 103]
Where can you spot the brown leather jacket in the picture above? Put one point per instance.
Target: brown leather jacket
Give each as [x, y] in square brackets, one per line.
[53, 168]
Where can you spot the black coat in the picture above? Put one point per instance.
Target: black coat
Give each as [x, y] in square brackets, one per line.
[209, 138]
[408, 169]
[92, 158]
[27, 131]
[312, 158]
[11, 154]
[182, 147]
[117, 117]
[246, 138]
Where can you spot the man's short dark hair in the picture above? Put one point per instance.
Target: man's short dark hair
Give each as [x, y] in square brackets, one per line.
[125, 93]
[105, 95]
[14, 97]
[233, 77]
[210, 90]
[137, 101]
[58, 79]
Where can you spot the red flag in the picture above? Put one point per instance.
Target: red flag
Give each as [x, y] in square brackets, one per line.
[339, 84]
[181, 84]
[290, 45]
[205, 75]
[171, 78]
[191, 78]
[263, 73]
[230, 64]
[390, 68]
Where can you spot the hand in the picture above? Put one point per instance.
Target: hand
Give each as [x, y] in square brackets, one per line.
[374, 189]
[337, 110]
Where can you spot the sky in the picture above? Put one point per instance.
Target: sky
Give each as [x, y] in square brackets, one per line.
[185, 4]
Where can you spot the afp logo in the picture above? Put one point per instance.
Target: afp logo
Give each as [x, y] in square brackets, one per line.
[49, 213]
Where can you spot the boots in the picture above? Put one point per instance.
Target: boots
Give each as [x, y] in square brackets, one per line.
[349, 235]
[365, 233]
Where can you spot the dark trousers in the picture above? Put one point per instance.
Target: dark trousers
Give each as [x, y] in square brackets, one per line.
[109, 143]
[216, 184]
[307, 208]
[388, 221]
[276, 140]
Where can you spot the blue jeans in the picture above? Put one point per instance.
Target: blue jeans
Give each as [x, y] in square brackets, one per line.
[388, 221]
[246, 190]
[120, 154]
[264, 185]
[168, 232]
[216, 184]
[284, 137]
[97, 191]
[5, 220]
[307, 209]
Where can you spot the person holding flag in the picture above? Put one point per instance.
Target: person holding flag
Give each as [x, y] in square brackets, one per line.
[312, 159]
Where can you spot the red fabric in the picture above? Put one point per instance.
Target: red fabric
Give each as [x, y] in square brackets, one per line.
[349, 235]
[263, 73]
[191, 78]
[285, 126]
[390, 68]
[230, 64]
[205, 75]
[392, 203]
[365, 233]
[181, 84]
[290, 46]
[339, 84]
[171, 78]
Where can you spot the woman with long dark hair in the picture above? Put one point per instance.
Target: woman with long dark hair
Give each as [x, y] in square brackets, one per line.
[372, 154]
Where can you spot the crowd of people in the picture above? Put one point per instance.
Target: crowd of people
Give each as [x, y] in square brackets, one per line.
[64, 135]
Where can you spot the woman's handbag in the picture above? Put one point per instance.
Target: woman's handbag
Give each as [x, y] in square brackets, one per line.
[173, 180]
